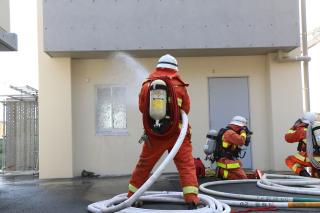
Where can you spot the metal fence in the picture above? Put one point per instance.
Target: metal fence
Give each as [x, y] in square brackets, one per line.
[20, 150]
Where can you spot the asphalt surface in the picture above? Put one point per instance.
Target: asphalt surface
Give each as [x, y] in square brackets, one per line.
[24, 194]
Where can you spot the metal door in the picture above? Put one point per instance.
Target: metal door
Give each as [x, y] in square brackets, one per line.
[229, 96]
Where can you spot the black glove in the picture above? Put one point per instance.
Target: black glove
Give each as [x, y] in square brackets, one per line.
[248, 133]
[248, 140]
[246, 129]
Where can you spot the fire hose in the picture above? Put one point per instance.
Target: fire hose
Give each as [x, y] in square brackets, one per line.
[121, 203]
[275, 182]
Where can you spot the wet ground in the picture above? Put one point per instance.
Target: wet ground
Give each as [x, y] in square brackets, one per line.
[25, 193]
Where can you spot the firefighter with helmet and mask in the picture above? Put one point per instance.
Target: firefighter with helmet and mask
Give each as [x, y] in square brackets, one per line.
[161, 98]
[298, 134]
[230, 141]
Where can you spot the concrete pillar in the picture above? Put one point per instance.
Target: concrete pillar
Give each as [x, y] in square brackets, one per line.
[55, 115]
[285, 107]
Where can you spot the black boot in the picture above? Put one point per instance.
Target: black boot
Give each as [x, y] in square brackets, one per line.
[138, 204]
[304, 173]
[191, 206]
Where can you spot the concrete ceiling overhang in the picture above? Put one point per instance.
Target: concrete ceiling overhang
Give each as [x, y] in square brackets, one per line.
[8, 41]
[91, 54]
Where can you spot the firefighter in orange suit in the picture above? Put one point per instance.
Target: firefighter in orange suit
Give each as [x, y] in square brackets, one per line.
[154, 147]
[233, 137]
[297, 134]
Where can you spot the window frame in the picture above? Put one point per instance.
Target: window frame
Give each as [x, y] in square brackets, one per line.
[111, 131]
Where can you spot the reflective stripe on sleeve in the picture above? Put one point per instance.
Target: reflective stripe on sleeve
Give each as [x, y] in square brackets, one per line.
[305, 159]
[179, 100]
[243, 134]
[301, 158]
[225, 144]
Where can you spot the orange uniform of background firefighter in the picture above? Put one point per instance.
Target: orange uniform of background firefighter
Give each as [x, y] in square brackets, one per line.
[154, 147]
[297, 134]
[235, 135]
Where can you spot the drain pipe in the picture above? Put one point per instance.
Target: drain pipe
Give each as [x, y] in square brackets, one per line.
[304, 40]
[281, 57]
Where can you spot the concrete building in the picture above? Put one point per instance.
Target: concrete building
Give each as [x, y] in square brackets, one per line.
[8, 41]
[93, 56]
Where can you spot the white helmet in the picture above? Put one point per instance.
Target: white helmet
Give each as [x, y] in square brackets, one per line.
[308, 117]
[239, 121]
[168, 61]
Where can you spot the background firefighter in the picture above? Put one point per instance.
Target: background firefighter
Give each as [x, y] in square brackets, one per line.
[233, 137]
[154, 146]
[297, 134]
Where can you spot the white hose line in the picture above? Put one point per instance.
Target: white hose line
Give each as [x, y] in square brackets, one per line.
[213, 205]
[203, 188]
[272, 184]
[121, 203]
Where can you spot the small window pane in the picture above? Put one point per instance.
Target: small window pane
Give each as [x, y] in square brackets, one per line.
[111, 112]
[119, 116]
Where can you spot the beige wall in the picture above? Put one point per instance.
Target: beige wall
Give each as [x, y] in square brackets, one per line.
[67, 140]
[55, 123]
[286, 106]
[4, 15]
[273, 108]
[99, 153]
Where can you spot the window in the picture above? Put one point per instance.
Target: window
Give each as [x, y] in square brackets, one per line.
[111, 112]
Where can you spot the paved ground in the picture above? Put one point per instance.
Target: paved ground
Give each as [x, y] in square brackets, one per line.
[24, 194]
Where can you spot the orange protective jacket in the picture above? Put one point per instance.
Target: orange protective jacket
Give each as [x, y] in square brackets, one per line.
[297, 133]
[232, 138]
[179, 87]
[229, 168]
[154, 147]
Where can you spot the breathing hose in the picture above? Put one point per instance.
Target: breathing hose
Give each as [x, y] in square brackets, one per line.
[275, 182]
[121, 203]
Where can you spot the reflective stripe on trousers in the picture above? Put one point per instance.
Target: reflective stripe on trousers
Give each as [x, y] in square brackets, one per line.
[190, 190]
[228, 166]
[295, 167]
[225, 174]
[132, 188]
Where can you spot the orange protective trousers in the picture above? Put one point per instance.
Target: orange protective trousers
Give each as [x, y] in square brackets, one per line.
[151, 153]
[231, 173]
[297, 165]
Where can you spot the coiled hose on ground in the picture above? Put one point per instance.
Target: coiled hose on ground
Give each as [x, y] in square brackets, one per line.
[121, 203]
[275, 182]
